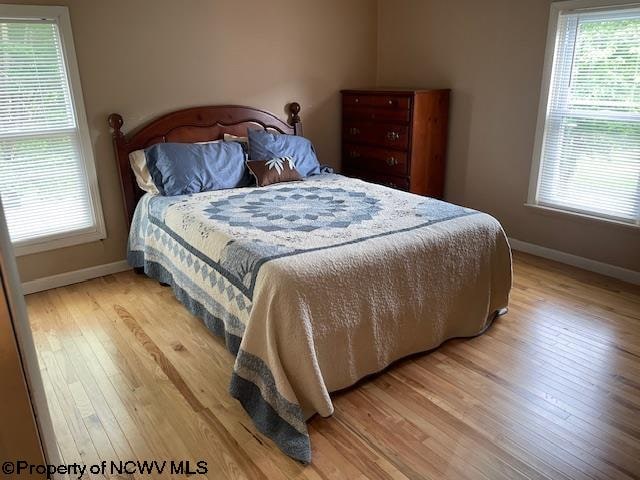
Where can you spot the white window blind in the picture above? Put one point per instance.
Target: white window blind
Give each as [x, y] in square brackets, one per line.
[44, 183]
[590, 154]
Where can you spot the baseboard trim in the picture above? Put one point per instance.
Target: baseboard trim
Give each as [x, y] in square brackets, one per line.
[76, 276]
[620, 273]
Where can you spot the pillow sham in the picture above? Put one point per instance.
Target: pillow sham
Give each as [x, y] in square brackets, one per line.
[138, 162]
[183, 168]
[276, 170]
[264, 144]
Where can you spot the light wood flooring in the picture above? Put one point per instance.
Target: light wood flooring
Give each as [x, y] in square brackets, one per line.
[551, 390]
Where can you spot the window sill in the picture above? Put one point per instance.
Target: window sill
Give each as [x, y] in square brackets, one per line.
[581, 216]
[44, 244]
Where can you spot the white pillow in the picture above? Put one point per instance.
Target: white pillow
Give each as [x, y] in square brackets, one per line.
[138, 161]
[244, 141]
[235, 138]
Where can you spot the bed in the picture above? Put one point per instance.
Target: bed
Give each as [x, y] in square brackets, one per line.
[313, 285]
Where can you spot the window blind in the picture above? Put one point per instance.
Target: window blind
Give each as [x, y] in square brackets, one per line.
[590, 158]
[43, 183]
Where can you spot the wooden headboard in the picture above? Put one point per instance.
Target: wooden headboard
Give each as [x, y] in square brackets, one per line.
[196, 124]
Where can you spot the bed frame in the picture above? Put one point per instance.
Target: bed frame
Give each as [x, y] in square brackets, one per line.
[197, 124]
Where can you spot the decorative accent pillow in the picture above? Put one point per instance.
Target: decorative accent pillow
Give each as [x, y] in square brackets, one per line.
[276, 170]
[264, 144]
[183, 168]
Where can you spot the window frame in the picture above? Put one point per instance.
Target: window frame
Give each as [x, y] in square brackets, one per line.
[556, 9]
[60, 15]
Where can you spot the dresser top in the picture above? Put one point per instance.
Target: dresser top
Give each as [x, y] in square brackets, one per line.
[391, 90]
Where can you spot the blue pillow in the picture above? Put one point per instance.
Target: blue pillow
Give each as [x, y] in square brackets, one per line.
[182, 168]
[264, 145]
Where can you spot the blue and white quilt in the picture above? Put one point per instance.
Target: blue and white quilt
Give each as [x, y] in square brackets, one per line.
[316, 284]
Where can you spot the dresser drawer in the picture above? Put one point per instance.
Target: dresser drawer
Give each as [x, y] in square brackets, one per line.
[379, 101]
[384, 134]
[380, 114]
[400, 183]
[379, 160]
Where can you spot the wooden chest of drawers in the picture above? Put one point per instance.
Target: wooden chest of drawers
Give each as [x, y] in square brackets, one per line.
[396, 138]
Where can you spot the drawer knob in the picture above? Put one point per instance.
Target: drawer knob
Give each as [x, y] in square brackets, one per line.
[393, 135]
[354, 131]
[392, 161]
[390, 102]
[357, 100]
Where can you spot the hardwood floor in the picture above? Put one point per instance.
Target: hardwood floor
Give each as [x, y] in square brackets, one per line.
[551, 390]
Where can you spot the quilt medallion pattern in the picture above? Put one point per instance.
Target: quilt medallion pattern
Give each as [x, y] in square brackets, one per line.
[303, 208]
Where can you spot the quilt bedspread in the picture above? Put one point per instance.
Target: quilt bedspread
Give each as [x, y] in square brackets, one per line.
[314, 285]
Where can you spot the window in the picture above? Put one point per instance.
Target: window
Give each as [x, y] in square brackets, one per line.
[47, 175]
[587, 157]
